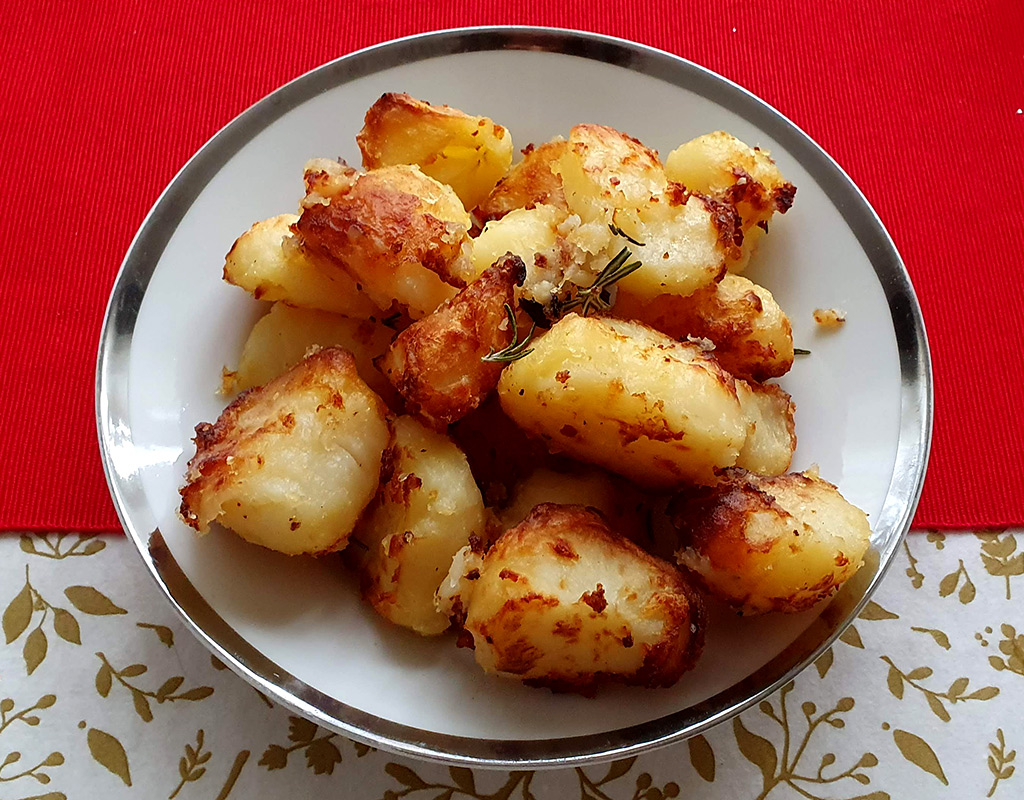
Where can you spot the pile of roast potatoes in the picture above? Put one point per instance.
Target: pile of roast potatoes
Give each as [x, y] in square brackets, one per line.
[554, 463]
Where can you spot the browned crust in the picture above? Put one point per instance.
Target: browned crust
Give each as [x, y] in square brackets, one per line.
[375, 227]
[529, 183]
[210, 468]
[435, 364]
[729, 324]
[663, 664]
[727, 223]
[712, 523]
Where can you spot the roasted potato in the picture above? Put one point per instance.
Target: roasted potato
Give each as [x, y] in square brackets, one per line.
[399, 233]
[437, 365]
[268, 263]
[603, 169]
[279, 340]
[753, 337]
[621, 503]
[559, 251]
[720, 165]
[270, 468]
[611, 179]
[470, 154]
[429, 508]
[771, 438]
[770, 544]
[529, 183]
[563, 601]
[626, 397]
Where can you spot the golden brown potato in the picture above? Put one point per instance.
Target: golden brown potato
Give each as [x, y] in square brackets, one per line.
[753, 337]
[603, 169]
[268, 263]
[770, 544]
[612, 179]
[720, 165]
[830, 318]
[397, 232]
[626, 397]
[279, 340]
[621, 503]
[771, 438]
[427, 511]
[559, 251]
[563, 601]
[437, 365]
[529, 183]
[270, 468]
[468, 153]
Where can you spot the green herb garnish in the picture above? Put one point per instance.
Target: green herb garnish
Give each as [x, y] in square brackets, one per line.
[516, 350]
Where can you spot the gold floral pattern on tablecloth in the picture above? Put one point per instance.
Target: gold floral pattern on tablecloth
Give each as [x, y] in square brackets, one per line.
[103, 694]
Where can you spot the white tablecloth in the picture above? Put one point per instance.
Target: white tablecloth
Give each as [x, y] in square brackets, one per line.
[103, 694]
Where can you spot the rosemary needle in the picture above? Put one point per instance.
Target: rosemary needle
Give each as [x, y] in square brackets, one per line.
[594, 296]
[516, 350]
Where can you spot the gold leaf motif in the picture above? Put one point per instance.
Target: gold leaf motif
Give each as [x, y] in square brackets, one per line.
[34, 650]
[919, 753]
[301, 730]
[851, 636]
[937, 708]
[757, 750]
[133, 671]
[164, 634]
[142, 706]
[91, 601]
[404, 776]
[168, 687]
[274, 757]
[702, 757]
[618, 768]
[999, 763]
[199, 693]
[108, 752]
[824, 663]
[104, 678]
[940, 638]
[873, 611]
[18, 614]
[322, 756]
[66, 626]
[463, 778]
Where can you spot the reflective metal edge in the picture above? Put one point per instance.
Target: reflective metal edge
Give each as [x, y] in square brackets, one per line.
[125, 487]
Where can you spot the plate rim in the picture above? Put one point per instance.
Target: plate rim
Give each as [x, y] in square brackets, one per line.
[146, 249]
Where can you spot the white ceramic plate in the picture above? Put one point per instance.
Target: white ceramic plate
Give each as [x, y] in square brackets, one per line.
[295, 627]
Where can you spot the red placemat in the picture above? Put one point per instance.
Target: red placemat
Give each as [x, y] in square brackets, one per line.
[103, 102]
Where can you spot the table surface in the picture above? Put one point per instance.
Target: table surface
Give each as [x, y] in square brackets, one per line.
[107, 695]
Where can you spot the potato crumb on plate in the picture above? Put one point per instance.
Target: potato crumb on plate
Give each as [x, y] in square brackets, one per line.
[830, 317]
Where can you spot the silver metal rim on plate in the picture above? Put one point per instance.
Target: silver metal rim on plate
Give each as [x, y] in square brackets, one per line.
[115, 436]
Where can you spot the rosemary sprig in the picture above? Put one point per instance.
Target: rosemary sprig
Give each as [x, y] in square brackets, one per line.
[516, 350]
[596, 295]
[799, 351]
[615, 229]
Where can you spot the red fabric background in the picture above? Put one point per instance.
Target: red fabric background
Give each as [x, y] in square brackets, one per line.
[104, 101]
